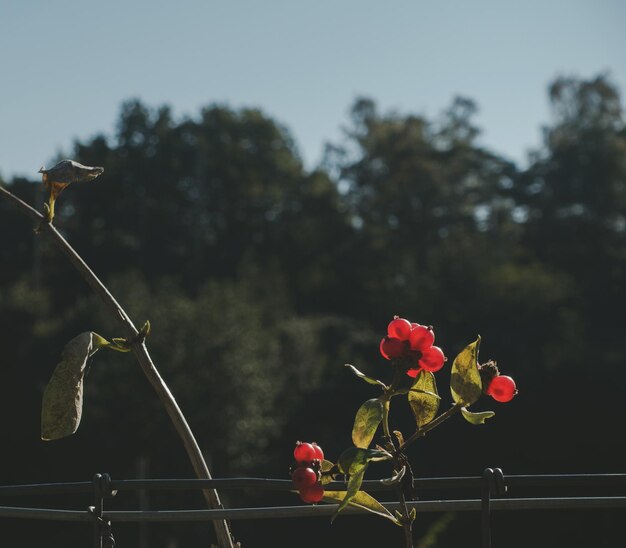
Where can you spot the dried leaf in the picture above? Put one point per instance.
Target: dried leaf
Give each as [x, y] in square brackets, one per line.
[62, 403]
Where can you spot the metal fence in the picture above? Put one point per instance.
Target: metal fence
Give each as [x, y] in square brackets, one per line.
[490, 496]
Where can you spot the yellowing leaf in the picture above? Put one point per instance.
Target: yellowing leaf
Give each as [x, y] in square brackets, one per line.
[423, 398]
[366, 422]
[327, 466]
[465, 383]
[62, 403]
[362, 500]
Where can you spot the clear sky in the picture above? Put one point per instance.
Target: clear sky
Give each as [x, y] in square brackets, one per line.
[66, 65]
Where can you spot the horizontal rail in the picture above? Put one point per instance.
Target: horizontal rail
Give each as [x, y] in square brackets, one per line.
[492, 485]
[471, 505]
[546, 480]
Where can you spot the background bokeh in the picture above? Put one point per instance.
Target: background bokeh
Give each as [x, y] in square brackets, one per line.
[262, 272]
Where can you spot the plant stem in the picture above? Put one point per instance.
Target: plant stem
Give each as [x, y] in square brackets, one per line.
[407, 523]
[200, 467]
[386, 431]
[432, 424]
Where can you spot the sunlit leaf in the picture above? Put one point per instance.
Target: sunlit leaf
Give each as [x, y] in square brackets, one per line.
[476, 418]
[327, 466]
[465, 383]
[366, 422]
[361, 500]
[354, 484]
[363, 376]
[353, 458]
[62, 403]
[423, 398]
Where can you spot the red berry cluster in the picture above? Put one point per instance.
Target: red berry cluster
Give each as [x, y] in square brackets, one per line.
[502, 388]
[413, 341]
[306, 476]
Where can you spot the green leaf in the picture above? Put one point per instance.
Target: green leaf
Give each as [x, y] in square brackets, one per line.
[326, 468]
[476, 418]
[465, 383]
[354, 484]
[353, 458]
[363, 376]
[423, 398]
[366, 422]
[362, 500]
[62, 403]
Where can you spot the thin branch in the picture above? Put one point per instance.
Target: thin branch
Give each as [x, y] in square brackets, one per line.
[143, 357]
[434, 423]
[407, 522]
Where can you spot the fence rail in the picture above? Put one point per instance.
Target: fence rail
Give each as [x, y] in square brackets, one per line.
[492, 486]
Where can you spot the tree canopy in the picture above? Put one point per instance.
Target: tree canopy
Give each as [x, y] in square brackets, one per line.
[261, 279]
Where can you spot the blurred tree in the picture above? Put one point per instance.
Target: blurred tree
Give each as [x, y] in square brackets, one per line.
[575, 198]
[261, 280]
[422, 198]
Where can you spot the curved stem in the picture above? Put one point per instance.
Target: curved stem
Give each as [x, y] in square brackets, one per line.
[140, 351]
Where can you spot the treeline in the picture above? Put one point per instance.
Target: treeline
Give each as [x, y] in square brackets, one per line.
[261, 279]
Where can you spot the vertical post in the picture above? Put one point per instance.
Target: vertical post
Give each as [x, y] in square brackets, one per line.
[493, 486]
[486, 507]
[97, 510]
[102, 535]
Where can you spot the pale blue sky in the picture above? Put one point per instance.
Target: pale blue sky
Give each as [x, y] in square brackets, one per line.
[66, 65]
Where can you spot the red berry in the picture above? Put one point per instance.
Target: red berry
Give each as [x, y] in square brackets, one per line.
[413, 372]
[304, 477]
[399, 328]
[432, 359]
[421, 338]
[319, 454]
[502, 388]
[312, 494]
[392, 348]
[304, 452]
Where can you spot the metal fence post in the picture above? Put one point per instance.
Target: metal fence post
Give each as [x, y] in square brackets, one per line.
[493, 485]
[102, 534]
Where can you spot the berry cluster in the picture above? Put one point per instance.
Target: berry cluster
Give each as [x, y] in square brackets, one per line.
[414, 343]
[306, 476]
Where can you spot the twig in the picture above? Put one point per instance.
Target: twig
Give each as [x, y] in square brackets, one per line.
[427, 427]
[407, 521]
[143, 357]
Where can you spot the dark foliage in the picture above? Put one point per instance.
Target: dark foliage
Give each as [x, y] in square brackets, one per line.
[262, 279]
